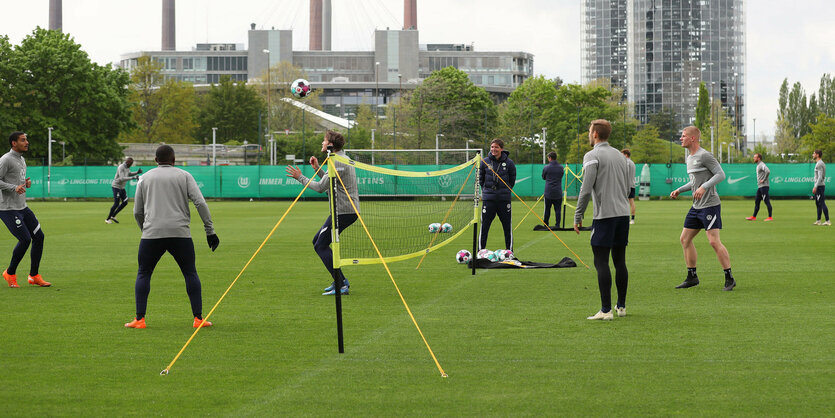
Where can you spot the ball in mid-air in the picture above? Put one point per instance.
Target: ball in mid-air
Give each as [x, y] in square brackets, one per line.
[434, 227]
[300, 88]
[463, 256]
[446, 228]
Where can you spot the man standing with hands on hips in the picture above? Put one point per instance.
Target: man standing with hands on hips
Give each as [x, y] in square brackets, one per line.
[606, 181]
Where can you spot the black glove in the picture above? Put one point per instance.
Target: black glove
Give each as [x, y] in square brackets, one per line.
[139, 171]
[213, 241]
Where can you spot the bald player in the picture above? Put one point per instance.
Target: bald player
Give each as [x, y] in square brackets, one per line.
[162, 213]
[705, 173]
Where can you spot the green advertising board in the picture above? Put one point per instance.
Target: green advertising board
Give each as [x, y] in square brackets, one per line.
[787, 180]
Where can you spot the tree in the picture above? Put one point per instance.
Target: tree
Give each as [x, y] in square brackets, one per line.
[648, 147]
[8, 110]
[145, 81]
[822, 137]
[703, 109]
[176, 121]
[448, 103]
[233, 109]
[666, 122]
[826, 95]
[54, 84]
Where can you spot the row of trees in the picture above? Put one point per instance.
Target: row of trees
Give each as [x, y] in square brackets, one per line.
[52, 83]
[806, 124]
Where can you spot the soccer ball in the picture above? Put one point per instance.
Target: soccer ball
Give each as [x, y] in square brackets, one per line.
[446, 228]
[300, 88]
[434, 227]
[487, 254]
[463, 256]
[504, 255]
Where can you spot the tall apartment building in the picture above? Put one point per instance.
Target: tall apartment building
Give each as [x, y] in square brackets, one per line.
[672, 46]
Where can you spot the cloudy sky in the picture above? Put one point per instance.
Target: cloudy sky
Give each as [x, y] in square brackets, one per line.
[791, 40]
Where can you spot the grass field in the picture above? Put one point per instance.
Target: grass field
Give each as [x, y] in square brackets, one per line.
[512, 342]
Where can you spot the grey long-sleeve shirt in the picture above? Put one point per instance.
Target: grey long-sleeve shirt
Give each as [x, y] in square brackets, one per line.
[161, 204]
[123, 174]
[705, 172]
[820, 173]
[631, 172]
[348, 175]
[12, 174]
[606, 180]
[762, 174]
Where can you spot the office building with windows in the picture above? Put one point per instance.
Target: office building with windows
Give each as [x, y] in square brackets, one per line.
[346, 78]
[672, 46]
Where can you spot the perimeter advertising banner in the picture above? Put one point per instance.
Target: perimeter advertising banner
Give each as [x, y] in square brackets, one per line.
[787, 180]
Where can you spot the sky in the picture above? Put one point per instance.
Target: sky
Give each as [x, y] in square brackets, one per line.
[791, 40]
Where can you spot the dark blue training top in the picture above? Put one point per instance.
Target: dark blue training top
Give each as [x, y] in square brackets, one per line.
[552, 174]
[491, 187]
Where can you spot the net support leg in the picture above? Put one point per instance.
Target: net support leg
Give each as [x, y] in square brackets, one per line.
[475, 246]
[338, 298]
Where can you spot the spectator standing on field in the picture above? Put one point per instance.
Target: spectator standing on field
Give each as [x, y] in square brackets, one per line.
[552, 173]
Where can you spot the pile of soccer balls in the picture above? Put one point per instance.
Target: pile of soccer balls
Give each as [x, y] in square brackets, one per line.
[437, 227]
[465, 256]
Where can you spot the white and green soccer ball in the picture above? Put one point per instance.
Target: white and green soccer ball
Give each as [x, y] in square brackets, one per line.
[446, 228]
[487, 255]
[434, 227]
[463, 257]
[503, 255]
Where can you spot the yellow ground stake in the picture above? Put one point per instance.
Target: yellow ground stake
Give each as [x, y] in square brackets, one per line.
[379, 254]
[534, 214]
[206, 318]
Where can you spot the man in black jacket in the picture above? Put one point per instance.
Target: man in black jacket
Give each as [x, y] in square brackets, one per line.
[552, 174]
[496, 193]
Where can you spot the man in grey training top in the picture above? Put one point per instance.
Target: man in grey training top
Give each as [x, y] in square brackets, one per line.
[762, 188]
[819, 187]
[17, 216]
[705, 173]
[345, 214]
[628, 154]
[162, 213]
[606, 180]
[120, 195]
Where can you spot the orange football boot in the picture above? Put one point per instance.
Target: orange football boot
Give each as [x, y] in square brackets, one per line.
[769, 219]
[37, 280]
[136, 323]
[197, 322]
[11, 279]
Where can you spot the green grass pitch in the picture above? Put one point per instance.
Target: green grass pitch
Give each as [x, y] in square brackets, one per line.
[512, 342]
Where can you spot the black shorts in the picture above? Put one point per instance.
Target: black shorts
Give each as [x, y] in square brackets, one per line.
[631, 193]
[707, 218]
[610, 232]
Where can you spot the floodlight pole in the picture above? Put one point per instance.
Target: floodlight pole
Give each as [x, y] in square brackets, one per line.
[543, 144]
[214, 146]
[337, 272]
[437, 156]
[49, 163]
[372, 145]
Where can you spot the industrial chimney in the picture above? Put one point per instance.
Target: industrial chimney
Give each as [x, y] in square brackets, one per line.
[169, 40]
[315, 25]
[326, 25]
[55, 15]
[409, 14]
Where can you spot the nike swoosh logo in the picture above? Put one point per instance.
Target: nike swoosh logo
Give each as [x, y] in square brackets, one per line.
[732, 181]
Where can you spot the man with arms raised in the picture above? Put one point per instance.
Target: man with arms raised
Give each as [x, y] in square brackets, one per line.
[606, 180]
[705, 173]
